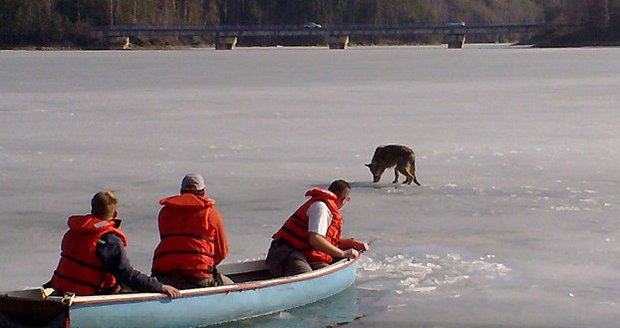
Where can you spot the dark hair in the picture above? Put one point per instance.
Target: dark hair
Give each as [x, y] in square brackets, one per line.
[195, 192]
[339, 187]
[103, 204]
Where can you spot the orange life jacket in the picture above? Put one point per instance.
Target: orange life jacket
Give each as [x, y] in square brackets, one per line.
[295, 229]
[187, 242]
[80, 270]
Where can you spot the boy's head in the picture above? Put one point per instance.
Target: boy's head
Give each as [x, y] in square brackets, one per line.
[104, 204]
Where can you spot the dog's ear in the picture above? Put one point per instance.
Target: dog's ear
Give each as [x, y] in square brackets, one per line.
[367, 165]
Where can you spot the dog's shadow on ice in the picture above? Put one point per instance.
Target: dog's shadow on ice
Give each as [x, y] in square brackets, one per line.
[361, 185]
[374, 185]
[371, 185]
[389, 187]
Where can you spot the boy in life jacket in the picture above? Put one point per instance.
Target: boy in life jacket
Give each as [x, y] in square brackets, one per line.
[93, 259]
[192, 238]
[311, 238]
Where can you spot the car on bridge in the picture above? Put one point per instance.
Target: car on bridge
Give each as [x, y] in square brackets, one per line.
[456, 23]
[312, 25]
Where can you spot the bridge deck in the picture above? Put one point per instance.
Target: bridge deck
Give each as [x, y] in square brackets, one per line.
[334, 30]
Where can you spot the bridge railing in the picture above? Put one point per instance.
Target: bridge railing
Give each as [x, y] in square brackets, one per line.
[354, 28]
[446, 30]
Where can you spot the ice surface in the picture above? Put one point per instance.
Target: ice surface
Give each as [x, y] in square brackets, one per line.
[515, 224]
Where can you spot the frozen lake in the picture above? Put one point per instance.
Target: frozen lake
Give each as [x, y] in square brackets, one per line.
[516, 223]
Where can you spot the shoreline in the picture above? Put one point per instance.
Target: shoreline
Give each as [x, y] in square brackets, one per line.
[133, 47]
[207, 47]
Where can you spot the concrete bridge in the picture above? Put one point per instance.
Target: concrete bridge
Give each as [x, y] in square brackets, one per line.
[226, 36]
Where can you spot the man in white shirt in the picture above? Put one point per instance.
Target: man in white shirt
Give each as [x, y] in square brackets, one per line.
[311, 237]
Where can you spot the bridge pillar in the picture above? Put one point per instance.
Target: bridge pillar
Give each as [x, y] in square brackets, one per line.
[118, 42]
[225, 42]
[338, 42]
[126, 44]
[455, 41]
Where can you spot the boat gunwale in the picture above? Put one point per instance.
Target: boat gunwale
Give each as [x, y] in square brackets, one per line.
[259, 284]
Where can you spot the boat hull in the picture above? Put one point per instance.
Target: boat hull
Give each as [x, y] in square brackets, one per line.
[208, 306]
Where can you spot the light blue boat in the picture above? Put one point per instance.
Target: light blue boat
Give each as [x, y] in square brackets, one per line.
[254, 294]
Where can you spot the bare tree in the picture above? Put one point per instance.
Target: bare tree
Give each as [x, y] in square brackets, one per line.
[599, 14]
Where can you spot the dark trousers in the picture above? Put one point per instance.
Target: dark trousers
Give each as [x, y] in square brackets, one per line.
[284, 260]
[180, 281]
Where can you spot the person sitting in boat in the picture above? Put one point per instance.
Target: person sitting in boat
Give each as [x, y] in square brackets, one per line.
[93, 258]
[311, 238]
[192, 238]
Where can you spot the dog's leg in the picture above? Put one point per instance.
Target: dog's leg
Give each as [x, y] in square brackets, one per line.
[395, 175]
[415, 179]
[411, 174]
[407, 174]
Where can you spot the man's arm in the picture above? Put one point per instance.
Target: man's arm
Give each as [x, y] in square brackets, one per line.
[221, 240]
[319, 219]
[112, 251]
[319, 243]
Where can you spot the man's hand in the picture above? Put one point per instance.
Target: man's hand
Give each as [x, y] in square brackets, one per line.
[362, 247]
[171, 291]
[347, 248]
[352, 243]
[351, 253]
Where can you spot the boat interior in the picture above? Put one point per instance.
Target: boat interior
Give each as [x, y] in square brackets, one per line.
[35, 308]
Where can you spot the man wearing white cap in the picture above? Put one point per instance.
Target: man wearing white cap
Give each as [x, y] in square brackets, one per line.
[192, 238]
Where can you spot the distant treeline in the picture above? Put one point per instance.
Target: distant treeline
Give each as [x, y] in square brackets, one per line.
[57, 22]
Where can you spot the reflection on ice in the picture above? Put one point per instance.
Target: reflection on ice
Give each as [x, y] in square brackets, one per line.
[337, 310]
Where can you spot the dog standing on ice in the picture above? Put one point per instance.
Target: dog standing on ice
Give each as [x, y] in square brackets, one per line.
[402, 157]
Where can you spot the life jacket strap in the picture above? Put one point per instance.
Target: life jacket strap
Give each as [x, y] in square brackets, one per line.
[190, 235]
[77, 281]
[82, 263]
[183, 252]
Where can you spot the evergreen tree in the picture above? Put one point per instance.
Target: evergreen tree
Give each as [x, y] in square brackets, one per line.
[41, 22]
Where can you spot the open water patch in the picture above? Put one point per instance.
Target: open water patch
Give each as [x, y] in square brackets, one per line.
[333, 311]
[446, 274]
